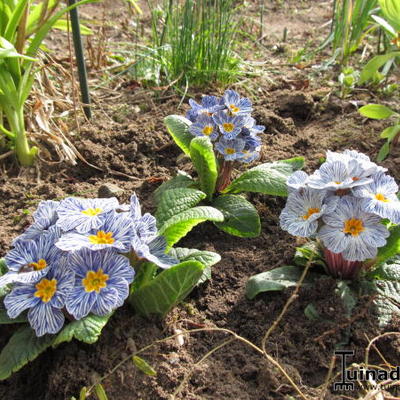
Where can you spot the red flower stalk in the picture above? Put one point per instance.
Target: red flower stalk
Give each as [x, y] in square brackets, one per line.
[338, 267]
[224, 178]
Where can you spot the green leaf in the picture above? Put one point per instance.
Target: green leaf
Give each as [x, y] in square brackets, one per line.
[82, 393]
[23, 346]
[62, 25]
[178, 128]
[275, 280]
[7, 50]
[144, 366]
[167, 289]
[385, 25]
[383, 152]
[179, 225]
[376, 111]
[86, 330]
[3, 266]
[389, 271]
[311, 313]
[174, 201]
[306, 252]
[240, 217]
[207, 258]
[268, 178]
[374, 64]
[390, 132]
[203, 157]
[347, 296]
[182, 180]
[392, 246]
[296, 163]
[5, 319]
[100, 392]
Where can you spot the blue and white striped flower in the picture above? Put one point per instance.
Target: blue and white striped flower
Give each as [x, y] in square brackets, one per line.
[144, 226]
[353, 232]
[204, 126]
[44, 300]
[237, 105]
[230, 126]
[379, 197]
[230, 149]
[153, 251]
[101, 283]
[336, 175]
[209, 105]
[250, 124]
[297, 181]
[84, 215]
[30, 260]
[302, 211]
[44, 217]
[249, 156]
[116, 232]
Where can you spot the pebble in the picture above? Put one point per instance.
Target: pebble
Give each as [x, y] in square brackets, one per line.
[109, 190]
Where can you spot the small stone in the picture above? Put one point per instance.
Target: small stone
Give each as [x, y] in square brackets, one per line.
[109, 190]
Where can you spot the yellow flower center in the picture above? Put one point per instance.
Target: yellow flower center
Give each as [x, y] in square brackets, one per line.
[233, 108]
[381, 197]
[91, 212]
[230, 150]
[95, 281]
[40, 264]
[208, 130]
[102, 238]
[310, 212]
[338, 183]
[228, 127]
[46, 289]
[353, 226]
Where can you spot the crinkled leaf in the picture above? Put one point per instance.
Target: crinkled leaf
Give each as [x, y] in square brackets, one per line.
[268, 178]
[23, 346]
[240, 217]
[207, 258]
[389, 270]
[178, 128]
[174, 201]
[167, 289]
[376, 111]
[144, 366]
[182, 180]
[277, 279]
[392, 246]
[203, 158]
[86, 330]
[308, 251]
[179, 225]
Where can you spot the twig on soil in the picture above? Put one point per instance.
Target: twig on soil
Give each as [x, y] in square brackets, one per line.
[328, 376]
[5, 155]
[371, 343]
[210, 329]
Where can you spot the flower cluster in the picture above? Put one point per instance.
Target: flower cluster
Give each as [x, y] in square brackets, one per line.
[75, 260]
[343, 204]
[227, 121]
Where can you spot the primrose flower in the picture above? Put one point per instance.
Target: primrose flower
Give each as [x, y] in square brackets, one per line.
[44, 217]
[230, 149]
[30, 260]
[236, 105]
[144, 226]
[249, 156]
[84, 215]
[336, 175]
[153, 251]
[101, 283]
[302, 210]
[297, 181]
[115, 232]
[209, 105]
[230, 126]
[44, 299]
[379, 197]
[204, 126]
[353, 232]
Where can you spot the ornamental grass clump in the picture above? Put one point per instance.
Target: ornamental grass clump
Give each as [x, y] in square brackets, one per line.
[78, 262]
[349, 211]
[219, 134]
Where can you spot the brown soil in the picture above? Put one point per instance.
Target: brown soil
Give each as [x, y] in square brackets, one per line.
[135, 143]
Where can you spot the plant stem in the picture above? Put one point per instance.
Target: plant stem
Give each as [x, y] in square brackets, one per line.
[25, 154]
[338, 267]
[224, 178]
